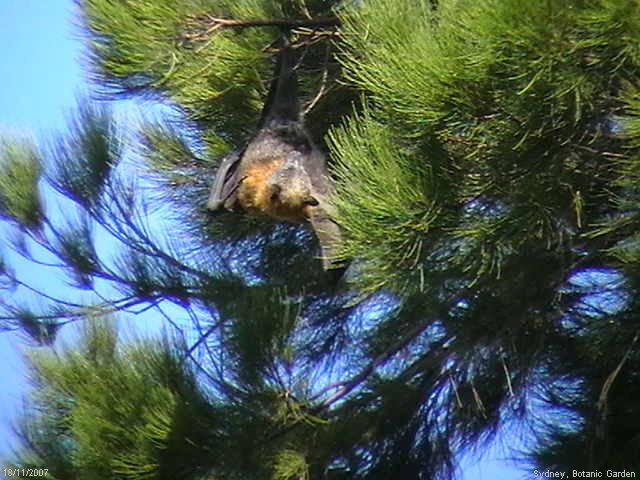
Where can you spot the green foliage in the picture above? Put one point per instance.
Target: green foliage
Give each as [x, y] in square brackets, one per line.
[382, 200]
[507, 108]
[120, 412]
[262, 338]
[84, 158]
[486, 161]
[603, 429]
[20, 170]
[76, 245]
[218, 77]
[290, 464]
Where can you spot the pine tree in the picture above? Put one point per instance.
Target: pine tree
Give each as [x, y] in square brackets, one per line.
[486, 162]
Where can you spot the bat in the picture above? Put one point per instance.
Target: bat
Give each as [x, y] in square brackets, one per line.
[281, 173]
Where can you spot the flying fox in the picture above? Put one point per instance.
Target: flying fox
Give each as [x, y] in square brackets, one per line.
[281, 173]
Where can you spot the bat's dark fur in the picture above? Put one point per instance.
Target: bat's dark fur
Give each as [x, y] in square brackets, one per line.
[281, 173]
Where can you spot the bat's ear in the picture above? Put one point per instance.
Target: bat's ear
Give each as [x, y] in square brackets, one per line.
[275, 191]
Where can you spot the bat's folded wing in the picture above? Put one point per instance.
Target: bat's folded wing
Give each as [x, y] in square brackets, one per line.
[329, 236]
[226, 183]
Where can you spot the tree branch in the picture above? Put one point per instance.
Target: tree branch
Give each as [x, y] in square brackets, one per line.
[212, 24]
[275, 22]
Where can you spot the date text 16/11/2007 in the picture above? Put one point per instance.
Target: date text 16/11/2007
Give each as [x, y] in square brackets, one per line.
[584, 474]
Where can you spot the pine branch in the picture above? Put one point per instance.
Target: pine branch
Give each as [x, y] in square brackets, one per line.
[211, 25]
[348, 386]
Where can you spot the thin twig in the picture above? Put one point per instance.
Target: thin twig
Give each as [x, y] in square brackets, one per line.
[507, 376]
[478, 400]
[455, 390]
[323, 84]
[604, 393]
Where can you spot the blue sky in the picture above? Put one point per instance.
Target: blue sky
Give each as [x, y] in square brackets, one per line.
[40, 75]
[40, 69]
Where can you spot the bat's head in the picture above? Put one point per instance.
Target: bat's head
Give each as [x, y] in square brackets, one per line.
[279, 188]
[291, 193]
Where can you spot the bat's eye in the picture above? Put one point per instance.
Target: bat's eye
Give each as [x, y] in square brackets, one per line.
[275, 193]
[311, 201]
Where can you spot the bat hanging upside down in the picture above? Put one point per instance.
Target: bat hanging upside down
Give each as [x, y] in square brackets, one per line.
[281, 173]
